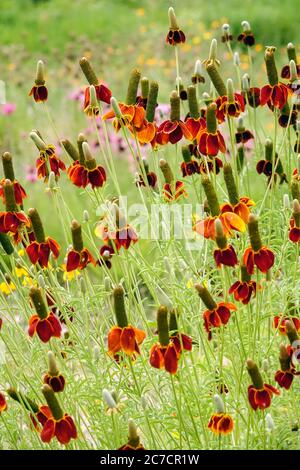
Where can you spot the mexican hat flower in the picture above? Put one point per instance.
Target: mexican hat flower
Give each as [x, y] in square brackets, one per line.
[181, 341]
[164, 354]
[172, 190]
[259, 393]
[220, 422]
[238, 205]
[224, 254]
[291, 52]
[47, 160]
[36, 412]
[123, 337]
[244, 288]
[294, 232]
[210, 140]
[271, 165]
[247, 36]
[79, 256]
[147, 133]
[285, 375]
[9, 174]
[174, 129]
[217, 314]
[175, 35]
[232, 104]
[12, 221]
[53, 377]
[243, 135]
[58, 424]
[194, 122]
[129, 114]
[275, 93]
[280, 321]
[39, 250]
[39, 90]
[147, 177]
[86, 171]
[257, 254]
[230, 221]
[133, 442]
[44, 323]
[102, 92]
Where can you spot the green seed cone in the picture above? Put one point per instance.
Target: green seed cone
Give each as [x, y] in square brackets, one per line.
[38, 302]
[23, 400]
[76, 236]
[205, 297]
[8, 166]
[254, 235]
[37, 225]
[211, 196]
[162, 325]
[255, 375]
[88, 71]
[230, 184]
[70, 149]
[211, 120]
[193, 103]
[216, 78]
[9, 193]
[6, 243]
[52, 402]
[271, 67]
[119, 306]
[152, 101]
[175, 106]
[133, 84]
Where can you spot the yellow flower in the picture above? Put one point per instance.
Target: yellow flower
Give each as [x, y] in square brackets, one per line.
[140, 12]
[69, 276]
[7, 288]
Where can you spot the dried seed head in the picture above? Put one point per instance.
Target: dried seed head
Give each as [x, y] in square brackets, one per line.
[173, 24]
[219, 404]
[40, 73]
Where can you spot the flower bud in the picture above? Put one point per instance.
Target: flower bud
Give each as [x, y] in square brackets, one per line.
[236, 59]
[109, 400]
[115, 106]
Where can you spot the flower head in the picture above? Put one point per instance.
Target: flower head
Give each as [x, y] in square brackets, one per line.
[123, 337]
[225, 253]
[78, 257]
[216, 315]
[259, 393]
[39, 90]
[12, 221]
[275, 93]
[45, 324]
[133, 442]
[173, 130]
[9, 174]
[53, 377]
[247, 36]
[257, 254]
[175, 35]
[3, 404]
[57, 424]
[210, 140]
[245, 288]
